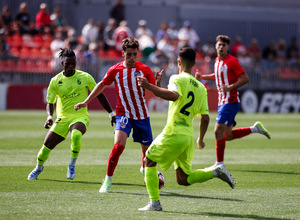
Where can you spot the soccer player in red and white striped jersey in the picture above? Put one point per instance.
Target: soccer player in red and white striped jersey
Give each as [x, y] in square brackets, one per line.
[131, 111]
[229, 76]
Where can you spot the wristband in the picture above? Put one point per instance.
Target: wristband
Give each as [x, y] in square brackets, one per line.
[112, 114]
[49, 117]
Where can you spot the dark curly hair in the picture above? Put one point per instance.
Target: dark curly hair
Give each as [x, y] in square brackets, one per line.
[66, 52]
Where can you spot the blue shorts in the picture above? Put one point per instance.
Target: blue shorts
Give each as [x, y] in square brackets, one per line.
[227, 113]
[142, 132]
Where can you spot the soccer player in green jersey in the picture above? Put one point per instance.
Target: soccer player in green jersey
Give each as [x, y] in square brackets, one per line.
[188, 98]
[66, 89]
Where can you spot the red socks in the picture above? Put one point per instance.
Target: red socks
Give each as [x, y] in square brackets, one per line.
[144, 154]
[114, 158]
[240, 132]
[220, 148]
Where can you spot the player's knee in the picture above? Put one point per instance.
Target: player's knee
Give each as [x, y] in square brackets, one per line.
[228, 136]
[149, 163]
[76, 135]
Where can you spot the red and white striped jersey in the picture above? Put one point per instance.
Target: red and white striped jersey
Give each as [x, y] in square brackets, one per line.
[227, 72]
[131, 101]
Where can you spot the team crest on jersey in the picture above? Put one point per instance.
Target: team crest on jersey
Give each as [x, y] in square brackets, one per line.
[137, 73]
[78, 81]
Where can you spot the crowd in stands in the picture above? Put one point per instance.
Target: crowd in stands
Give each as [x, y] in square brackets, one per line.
[24, 35]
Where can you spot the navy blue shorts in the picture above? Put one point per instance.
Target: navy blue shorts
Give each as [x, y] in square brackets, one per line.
[227, 113]
[142, 132]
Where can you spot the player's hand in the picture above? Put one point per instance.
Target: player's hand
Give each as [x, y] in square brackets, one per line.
[198, 75]
[80, 105]
[224, 88]
[200, 144]
[113, 121]
[142, 81]
[158, 77]
[48, 123]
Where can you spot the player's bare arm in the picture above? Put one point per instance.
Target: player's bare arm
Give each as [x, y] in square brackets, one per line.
[106, 105]
[199, 76]
[49, 110]
[203, 128]
[243, 80]
[96, 91]
[158, 91]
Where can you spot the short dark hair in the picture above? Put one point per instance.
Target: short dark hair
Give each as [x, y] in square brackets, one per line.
[130, 42]
[66, 52]
[187, 54]
[223, 38]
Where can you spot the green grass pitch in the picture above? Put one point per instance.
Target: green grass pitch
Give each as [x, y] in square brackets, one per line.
[267, 173]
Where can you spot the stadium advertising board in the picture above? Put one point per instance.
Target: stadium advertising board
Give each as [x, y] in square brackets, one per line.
[270, 101]
[34, 97]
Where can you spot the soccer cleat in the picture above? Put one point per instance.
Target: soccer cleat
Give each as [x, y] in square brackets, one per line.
[105, 186]
[142, 170]
[34, 174]
[261, 129]
[223, 174]
[71, 172]
[150, 207]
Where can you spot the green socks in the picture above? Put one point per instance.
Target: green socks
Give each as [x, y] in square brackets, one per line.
[76, 143]
[151, 179]
[43, 155]
[199, 176]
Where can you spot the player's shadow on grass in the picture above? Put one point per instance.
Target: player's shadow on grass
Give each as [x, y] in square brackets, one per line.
[268, 171]
[171, 194]
[230, 216]
[70, 181]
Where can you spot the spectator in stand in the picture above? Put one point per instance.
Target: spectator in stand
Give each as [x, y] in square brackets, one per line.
[91, 59]
[80, 57]
[108, 34]
[208, 49]
[23, 19]
[89, 32]
[165, 45]
[7, 20]
[71, 37]
[122, 32]
[157, 58]
[172, 31]
[281, 51]
[254, 50]
[4, 47]
[292, 52]
[55, 47]
[237, 45]
[187, 35]
[100, 27]
[147, 45]
[161, 31]
[42, 18]
[244, 59]
[269, 66]
[143, 29]
[117, 12]
[270, 51]
[58, 20]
